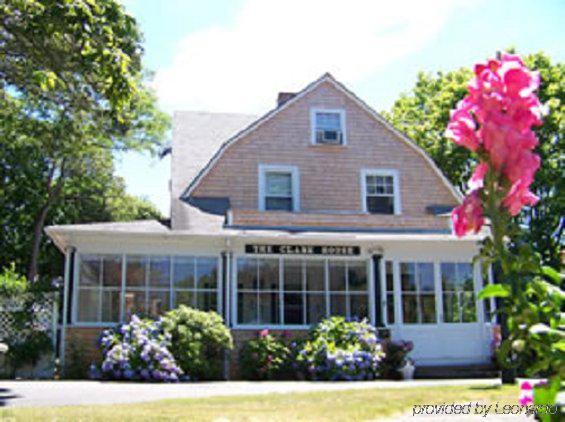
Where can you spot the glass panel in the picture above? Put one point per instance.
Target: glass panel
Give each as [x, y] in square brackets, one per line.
[357, 276]
[112, 271]
[407, 276]
[328, 121]
[359, 306]
[450, 307]
[315, 275]
[292, 275]
[278, 204]
[206, 273]
[465, 276]
[409, 309]
[88, 305]
[389, 276]
[428, 308]
[380, 204]
[135, 271]
[426, 277]
[183, 272]
[293, 308]
[89, 270]
[110, 305]
[268, 274]
[448, 276]
[269, 308]
[316, 307]
[206, 301]
[246, 274]
[337, 305]
[390, 308]
[337, 275]
[135, 303]
[159, 271]
[247, 308]
[468, 303]
[184, 298]
[278, 184]
[158, 303]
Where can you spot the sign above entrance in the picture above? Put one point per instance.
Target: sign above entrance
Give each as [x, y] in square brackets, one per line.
[303, 250]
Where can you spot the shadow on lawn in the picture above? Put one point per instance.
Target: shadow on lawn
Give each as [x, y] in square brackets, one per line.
[6, 395]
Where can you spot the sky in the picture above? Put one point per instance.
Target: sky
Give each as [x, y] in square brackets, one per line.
[236, 55]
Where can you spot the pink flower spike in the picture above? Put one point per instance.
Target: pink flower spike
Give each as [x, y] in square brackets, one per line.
[468, 216]
[525, 386]
[477, 179]
[525, 401]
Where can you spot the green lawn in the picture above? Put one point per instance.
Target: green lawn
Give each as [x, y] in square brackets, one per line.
[327, 406]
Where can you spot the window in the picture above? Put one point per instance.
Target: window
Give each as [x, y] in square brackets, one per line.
[459, 303]
[328, 127]
[292, 291]
[278, 188]
[380, 191]
[389, 278]
[418, 292]
[151, 285]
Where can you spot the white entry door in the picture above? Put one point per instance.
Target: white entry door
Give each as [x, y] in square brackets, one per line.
[435, 306]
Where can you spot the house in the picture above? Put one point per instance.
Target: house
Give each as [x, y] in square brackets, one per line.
[319, 207]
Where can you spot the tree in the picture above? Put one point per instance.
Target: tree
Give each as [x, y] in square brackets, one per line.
[71, 85]
[423, 115]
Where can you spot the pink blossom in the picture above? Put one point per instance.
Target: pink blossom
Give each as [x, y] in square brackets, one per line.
[526, 386]
[461, 128]
[526, 400]
[469, 215]
[264, 333]
[478, 177]
[519, 196]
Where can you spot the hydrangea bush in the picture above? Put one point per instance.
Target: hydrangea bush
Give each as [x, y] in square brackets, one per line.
[396, 356]
[137, 351]
[337, 349]
[266, 357]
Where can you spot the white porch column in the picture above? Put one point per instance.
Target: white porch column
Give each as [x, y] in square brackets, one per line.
[66, 280]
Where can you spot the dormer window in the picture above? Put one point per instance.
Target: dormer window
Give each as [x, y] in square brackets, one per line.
[328, 127]
[380, 190]
[278, 188]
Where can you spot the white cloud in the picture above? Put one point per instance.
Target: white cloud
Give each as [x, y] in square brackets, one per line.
[276, 46]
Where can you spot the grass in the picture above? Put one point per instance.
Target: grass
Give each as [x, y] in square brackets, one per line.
[350, 405]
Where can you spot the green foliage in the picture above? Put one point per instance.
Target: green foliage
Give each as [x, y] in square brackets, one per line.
[199, 341]
[423, 114]
[546, 395]
[267, 357]
[71, 92]
[11, 283]
[337, 349]
[28, 348]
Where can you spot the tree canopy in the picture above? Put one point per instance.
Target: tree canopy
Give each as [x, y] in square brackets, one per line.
[72, 91]
[423, 114]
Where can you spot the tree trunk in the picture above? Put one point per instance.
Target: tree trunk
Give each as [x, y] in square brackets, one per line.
[39, 224]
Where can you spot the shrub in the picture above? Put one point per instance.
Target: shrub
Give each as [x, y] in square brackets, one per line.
[265, 358]
[337, 349]
[199, 341]
[138, 351]
[396, 353]
[11, 283]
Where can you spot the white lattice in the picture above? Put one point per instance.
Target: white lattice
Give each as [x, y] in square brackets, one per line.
[44, 310]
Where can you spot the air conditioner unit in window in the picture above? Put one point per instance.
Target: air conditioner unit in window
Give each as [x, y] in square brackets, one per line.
[332, 137]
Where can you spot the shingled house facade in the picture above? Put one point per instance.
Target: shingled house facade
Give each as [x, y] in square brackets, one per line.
[319, 207]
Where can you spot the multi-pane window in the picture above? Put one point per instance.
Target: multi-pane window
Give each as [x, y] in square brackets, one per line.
[380, 193]
[279, 188]
[459, 303]
[418, 292]
[328, 127]
[389, 280]
[152, 284]
[293, 291]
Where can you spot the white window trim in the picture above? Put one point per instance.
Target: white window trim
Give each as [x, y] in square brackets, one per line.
[396, 184]
[295, 180]
[339, 111]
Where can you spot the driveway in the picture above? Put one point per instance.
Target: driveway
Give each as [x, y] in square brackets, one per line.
[64, 393]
